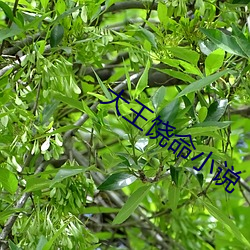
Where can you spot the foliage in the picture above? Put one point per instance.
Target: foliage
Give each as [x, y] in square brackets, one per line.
[74, 174]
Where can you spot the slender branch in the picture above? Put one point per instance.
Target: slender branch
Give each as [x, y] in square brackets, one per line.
[21, 44]
[16, 63]
[148, 14]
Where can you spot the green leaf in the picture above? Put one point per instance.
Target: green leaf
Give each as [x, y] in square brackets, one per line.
[227, 223]
[68, 12]
[70, 101]
[219, 125]
[44, 3]
[8, 180]
[174, 172]
[170, 112]
[177, 74]
[186, 54]
[132, 203]
[13, 246]
[49, 110]
[223, 41]
[214, 61]
[244, 45]
[56, 35]
[7, 10]
[143, 81]
[158, 97]
[145, 34]
[9, 32]
[104, 89]
[197, 131]
[202, 114]
[35, 183]
[49, 244]
[41, 243]
[9, 211]
[173, 196]
[162, 12]
[117, 181]
[98, 210]
[216, 110]
[197, 85]
[66, 172]
[199, 176]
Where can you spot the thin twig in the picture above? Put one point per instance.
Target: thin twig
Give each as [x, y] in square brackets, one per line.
[148, 14]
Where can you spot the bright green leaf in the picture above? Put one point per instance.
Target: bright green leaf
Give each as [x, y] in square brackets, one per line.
[8, 180]
[186, 54]
[214, 61]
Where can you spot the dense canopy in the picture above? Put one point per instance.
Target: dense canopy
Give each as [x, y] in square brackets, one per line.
[124, 124]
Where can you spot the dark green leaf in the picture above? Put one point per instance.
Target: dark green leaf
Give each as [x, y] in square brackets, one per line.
[117, 181]
[7, 10]
[170, 111]
[245, 2]
[174, 172]
[216, 110]
[199, 176]
[56, 35]
[223, 41]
